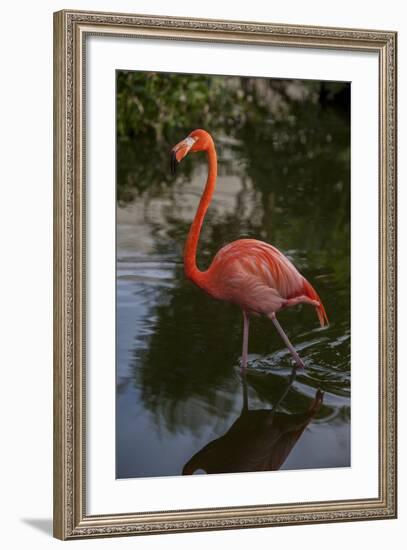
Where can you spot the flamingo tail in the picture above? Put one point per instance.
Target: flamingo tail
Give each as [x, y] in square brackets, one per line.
[310, 291]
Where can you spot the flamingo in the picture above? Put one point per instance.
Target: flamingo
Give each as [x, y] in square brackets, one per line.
[252, 274]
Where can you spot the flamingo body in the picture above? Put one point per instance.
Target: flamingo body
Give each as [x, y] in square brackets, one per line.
[257, 277]
[252, 274]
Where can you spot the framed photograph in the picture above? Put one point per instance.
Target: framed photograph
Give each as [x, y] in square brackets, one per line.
[225, 274]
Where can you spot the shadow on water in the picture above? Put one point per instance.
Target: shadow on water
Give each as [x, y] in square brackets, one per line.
[258, 440]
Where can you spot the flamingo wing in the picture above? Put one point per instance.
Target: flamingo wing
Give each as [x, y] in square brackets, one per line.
[259, 278]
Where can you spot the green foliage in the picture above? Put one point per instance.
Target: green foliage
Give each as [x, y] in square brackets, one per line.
[156, 110]
[161, 105]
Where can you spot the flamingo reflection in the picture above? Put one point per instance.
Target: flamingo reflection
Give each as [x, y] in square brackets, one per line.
[259, 440]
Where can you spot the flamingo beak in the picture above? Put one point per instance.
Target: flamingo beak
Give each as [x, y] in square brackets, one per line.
[174, 163]
[180, 151]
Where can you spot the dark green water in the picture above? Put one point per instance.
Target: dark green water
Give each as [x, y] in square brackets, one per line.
[179, 386]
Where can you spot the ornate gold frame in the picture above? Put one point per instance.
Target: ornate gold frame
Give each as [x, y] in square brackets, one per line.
[70, 518]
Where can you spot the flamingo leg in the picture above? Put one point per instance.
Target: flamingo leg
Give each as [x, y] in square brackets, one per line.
[245, 340]
[286, 341]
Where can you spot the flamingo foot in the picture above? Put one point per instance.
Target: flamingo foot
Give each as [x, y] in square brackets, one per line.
[299, 362]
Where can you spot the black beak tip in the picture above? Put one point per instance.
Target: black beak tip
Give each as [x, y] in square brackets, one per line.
[174, 163]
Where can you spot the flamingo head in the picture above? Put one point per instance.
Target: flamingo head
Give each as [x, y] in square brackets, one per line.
[198, 140]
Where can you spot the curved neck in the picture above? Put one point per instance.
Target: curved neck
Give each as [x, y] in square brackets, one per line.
[191, 269]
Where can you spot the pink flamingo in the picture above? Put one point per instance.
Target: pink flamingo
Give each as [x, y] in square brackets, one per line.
[250, 273]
